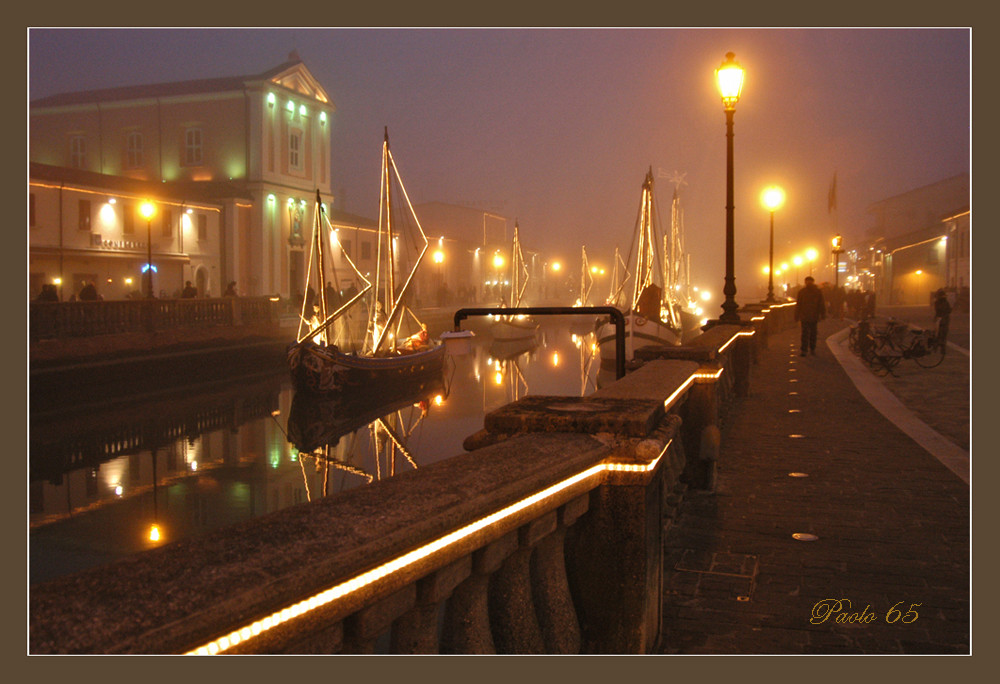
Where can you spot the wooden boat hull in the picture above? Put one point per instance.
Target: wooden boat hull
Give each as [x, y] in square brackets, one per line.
[639, 332]
[509, 329]
[324, 370]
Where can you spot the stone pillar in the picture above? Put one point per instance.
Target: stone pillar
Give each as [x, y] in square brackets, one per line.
[615, 565]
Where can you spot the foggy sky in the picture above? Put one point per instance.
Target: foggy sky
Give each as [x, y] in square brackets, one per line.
[558, 127]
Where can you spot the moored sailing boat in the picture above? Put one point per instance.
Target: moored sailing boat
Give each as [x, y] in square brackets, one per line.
[390, 351]
[515, 327]
[649, 315]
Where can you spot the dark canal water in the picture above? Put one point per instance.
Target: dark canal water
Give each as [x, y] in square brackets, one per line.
[116, 479]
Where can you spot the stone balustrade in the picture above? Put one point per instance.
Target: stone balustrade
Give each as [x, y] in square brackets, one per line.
[69, 331]
[545, 538]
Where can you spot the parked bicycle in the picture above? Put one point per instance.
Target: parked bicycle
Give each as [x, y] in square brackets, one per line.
[882, 348]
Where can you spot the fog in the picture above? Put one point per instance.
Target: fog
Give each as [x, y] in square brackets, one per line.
[558, 127]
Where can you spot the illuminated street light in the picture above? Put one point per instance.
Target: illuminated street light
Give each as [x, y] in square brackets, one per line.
[837, 241]
[797, 260]
[147, 209]
[811, 255]
[730, 80]
[772, 198]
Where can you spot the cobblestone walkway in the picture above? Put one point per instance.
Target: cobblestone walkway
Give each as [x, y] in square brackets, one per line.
[888, 570]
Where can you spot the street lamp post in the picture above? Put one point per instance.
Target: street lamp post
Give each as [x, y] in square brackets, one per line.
[772, 197]
[837, 251]
[147, 209]
[730, 80]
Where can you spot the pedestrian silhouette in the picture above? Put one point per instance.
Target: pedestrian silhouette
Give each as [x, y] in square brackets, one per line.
[809, 311]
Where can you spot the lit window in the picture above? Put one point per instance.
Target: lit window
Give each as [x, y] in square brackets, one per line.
[134, 144]
[77, 152]
[192, 146]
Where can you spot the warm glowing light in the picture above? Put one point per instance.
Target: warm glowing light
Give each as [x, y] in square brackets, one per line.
[919, 272]
[555, 358]
[706, 295]
[811, 254]
[730, 80]
[498, 378]
[154, 533]
[337, 591]
[797, 260]
[784, 265]
[147, 209]
[438, 399]
[438, 256]
[128, 281]
[57, 281]
[772, 197]
[556, 265]
[498, 261]
[118, 490]
[108, 214]
[766, 270]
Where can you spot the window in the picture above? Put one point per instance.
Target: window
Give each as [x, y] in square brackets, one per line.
[295, 150]
[83, 222]
[128, 220]
[134, 145]
[202, 227]
[168, 223]
[77, 152]
[366, 250]
[192, 147]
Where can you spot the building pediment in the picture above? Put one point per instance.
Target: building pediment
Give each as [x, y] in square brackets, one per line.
[298, 78]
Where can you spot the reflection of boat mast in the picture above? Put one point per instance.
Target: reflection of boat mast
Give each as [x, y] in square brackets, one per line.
[586, 279]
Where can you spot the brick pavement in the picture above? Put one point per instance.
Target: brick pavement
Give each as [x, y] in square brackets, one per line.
[892, 527]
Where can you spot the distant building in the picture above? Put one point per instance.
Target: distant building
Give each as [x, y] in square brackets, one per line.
[231, 164]
[918, 243]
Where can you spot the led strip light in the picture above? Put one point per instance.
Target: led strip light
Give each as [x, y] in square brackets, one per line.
[338, 591]
[742, 333]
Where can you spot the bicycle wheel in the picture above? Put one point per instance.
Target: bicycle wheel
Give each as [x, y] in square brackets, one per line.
[932, 356]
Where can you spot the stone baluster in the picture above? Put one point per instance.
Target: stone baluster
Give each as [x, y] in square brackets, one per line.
[550, 588]
[466, 620]
[512, 609]
[363, 628]
[416, 631]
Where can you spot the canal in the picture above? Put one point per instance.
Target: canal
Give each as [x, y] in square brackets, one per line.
[111, 479]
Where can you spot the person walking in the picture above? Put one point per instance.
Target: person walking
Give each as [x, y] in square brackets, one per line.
[809, 311]
[942, 315]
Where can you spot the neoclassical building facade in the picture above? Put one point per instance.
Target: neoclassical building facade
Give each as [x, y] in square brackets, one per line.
[230, 165]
